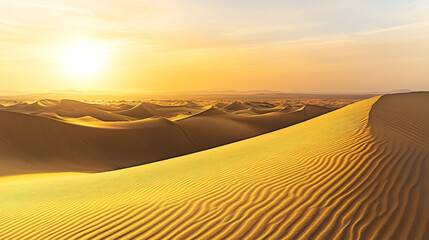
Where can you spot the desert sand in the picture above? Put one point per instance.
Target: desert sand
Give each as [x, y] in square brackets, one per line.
[359, 172]
[74, 136]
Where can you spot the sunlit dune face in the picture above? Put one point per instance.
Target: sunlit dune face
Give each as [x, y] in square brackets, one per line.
[84, 60]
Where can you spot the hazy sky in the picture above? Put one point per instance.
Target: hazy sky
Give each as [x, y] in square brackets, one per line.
[165, 45]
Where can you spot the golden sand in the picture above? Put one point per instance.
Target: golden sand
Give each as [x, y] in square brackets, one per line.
[360, 172]
[38, 138]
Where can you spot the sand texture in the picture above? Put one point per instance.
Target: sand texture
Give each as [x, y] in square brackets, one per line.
[359, 172]
[73, 136]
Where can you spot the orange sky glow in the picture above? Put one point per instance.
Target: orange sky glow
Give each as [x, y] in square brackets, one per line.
[188, 45]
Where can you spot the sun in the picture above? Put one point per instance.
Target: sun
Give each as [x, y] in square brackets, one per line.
[83, 61]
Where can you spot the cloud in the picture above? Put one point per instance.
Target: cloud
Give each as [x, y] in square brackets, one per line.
[415, 25]
[10, 23]
[53, 7]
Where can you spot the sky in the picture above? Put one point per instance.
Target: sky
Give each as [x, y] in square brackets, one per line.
[192, 45]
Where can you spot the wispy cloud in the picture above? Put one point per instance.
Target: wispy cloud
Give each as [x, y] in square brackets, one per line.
[53, 7]
[415, 25]
[11, 23]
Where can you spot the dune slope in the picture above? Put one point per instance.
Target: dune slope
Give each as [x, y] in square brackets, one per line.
[360, 172]
[31, 144]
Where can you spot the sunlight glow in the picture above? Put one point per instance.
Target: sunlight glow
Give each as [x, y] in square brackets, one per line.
[84, 60]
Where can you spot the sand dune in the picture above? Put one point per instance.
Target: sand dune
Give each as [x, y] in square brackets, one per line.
[235, 106]
[146, 110]
[220, 128]
[33, 143]
[95, 113]
[360, 172]
[71, 109]
[141, 111]
[122, 112]
[259, 104]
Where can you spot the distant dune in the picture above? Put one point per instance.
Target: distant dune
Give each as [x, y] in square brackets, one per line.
[146, 110]
[360, 172]
[73, 136]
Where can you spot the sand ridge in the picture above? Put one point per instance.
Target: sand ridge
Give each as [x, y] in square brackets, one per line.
[356, 173]
[72, 136]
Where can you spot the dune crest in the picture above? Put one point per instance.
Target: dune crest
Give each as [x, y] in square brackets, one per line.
[235, 106]
[81, 137]
[356, 173]
[139, 112]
